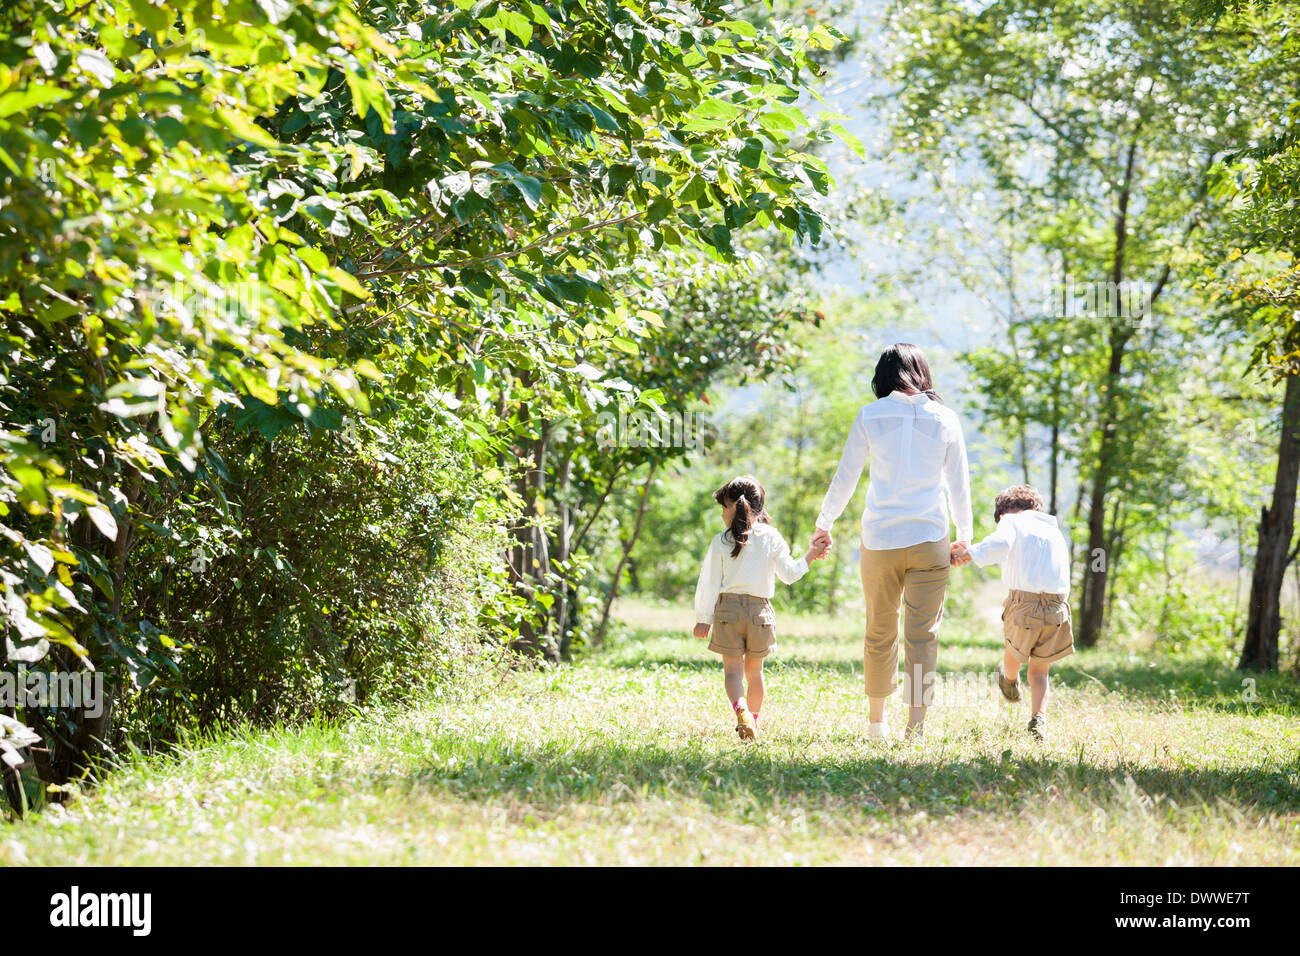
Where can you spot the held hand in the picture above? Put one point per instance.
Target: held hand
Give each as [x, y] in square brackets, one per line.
[822, 541]
[702, 631]
[958, 556]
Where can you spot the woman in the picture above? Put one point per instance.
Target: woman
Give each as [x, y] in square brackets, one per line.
[916, 449]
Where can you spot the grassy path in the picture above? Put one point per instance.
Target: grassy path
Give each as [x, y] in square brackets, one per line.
[626, 757]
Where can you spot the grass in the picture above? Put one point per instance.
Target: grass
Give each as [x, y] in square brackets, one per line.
[628, 757]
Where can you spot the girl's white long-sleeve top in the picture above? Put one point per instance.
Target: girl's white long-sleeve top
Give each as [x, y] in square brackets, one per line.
[918, 459]
[764, 558]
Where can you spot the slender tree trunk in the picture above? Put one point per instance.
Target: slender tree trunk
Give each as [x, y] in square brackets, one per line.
[540, 571]
[1092, 608]
[596, 509]
[563, 536]
[1273, 554]
[1118, 521]
[794, 513]
[1054, 445]
[627, 550]
[1097, 558]
[531, 558]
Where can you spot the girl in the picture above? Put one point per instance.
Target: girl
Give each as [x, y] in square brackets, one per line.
[735, 590]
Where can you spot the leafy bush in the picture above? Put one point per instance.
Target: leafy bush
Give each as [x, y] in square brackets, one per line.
[338, 565]
[226, 222]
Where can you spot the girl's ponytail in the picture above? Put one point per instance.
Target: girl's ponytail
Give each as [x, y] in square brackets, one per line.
[748, 496]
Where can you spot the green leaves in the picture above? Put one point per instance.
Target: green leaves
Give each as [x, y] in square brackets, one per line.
[135, 396]
[515, 23]
[153, 17]
[243, 127]
[276, 10]
[34, 95]
[258, 217]
[97, 65]
[103, 519]
[530, 188]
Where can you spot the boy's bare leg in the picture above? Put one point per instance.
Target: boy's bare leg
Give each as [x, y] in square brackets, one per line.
[1010, 667]
[1038, 685]
[733, 677]
[754, 678]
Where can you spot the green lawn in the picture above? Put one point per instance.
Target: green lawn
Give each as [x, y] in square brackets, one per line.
[628, 756]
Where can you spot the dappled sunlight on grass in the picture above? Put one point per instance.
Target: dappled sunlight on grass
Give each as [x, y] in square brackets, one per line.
[628, 756]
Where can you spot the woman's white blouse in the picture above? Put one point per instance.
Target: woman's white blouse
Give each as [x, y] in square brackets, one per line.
[764, 558]
[918, 457]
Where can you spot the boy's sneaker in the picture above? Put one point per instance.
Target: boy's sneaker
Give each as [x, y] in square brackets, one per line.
[1010, 688]
[1038, 727]
[877, 730]
[745, 727]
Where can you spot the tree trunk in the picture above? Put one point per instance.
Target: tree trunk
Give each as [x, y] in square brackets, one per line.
[530, 566]
[627, 550]
[1092, 608]
[1096, 566]
[1276, 524]
[564, 536]
[1054, 445]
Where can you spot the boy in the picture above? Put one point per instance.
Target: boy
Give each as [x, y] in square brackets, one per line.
[1036, 616]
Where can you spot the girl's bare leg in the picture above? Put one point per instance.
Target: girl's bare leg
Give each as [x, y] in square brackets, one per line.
[754, 678]
[733, 677]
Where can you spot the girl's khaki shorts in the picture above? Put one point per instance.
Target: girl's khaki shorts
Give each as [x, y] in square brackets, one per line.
[743, 625]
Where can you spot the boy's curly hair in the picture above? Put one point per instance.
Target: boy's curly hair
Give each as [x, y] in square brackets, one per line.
[1017, 498]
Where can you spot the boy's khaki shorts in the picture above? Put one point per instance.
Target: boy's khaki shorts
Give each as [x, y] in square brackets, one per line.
[743, 625]
[1037, 625]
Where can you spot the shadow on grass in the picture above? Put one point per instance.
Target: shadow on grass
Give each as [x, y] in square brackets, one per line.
[734, 783]
[1187, 684]
[1191, 685]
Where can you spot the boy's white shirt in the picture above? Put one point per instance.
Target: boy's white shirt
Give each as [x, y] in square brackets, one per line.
[919, 473]
[1032, 551]
[765, 557]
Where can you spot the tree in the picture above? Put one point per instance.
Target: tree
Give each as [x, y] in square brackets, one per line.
[1103, 122]
[229, 224]
[1265, 181]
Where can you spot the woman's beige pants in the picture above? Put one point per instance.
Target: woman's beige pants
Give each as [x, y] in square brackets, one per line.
[916, 577]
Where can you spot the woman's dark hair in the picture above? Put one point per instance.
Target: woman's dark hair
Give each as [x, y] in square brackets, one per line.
[748, 496]
[1015, 499]
[903, 368]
